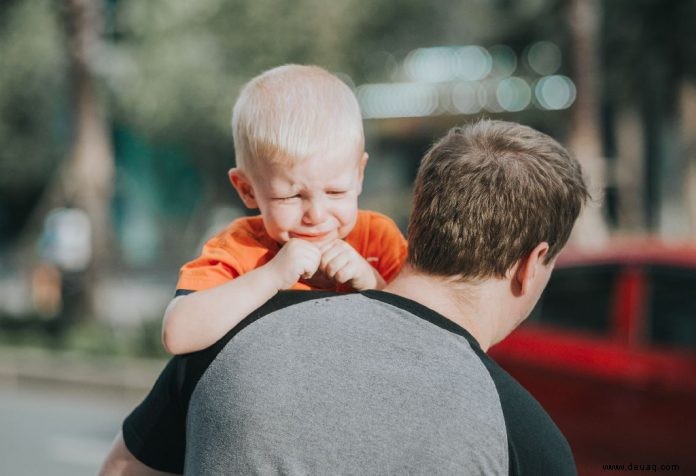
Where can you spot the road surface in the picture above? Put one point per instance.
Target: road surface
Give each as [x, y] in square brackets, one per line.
[51, 430]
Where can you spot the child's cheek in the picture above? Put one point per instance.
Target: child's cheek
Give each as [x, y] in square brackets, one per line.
[349, 215]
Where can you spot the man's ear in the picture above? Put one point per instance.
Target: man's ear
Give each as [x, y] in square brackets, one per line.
[243, 186]
[526, 271]
[361, 171]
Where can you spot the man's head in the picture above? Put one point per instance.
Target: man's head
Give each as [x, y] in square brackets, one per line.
[486, 195]
[299, 147]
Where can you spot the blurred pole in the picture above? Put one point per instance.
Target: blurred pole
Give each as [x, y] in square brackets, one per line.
[668, 153]
[629, 171]
[88, 180]
[585, 139]
[688, 121]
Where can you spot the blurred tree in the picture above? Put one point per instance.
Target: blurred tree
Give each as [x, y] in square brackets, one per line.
[43, 70]
[174, 67]
[34, 122]
[650, 62]
[89, 174]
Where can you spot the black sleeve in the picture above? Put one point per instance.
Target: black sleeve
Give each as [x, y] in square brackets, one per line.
[535, 444]
[155, 432]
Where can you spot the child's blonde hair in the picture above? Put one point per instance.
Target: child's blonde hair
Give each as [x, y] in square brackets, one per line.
[292, 112]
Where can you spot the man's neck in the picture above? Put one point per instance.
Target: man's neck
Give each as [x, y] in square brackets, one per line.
[471, 306]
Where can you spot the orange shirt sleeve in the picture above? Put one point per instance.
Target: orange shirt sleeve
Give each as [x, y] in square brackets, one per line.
[380, 242]
[238, 249]
[213, 267]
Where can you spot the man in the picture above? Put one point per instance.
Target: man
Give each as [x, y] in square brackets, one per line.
[388, 381]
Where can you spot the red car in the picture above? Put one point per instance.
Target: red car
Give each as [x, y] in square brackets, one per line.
[610, 352]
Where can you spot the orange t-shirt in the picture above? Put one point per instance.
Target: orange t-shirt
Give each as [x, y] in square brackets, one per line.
[244, 245]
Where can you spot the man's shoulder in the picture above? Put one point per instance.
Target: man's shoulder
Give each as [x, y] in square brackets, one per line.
[289, 298]
[536, 445]
[193, 365]
[282, 300]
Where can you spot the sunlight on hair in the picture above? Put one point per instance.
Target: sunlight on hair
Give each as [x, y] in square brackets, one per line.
[294, 111]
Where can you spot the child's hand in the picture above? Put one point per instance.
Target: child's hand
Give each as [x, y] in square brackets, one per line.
[296, 259]
[340, 262]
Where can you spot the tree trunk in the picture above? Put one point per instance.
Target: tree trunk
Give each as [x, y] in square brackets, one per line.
[89, 175]
[585, 139]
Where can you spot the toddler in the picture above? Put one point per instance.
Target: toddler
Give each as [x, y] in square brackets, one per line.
[300, 159]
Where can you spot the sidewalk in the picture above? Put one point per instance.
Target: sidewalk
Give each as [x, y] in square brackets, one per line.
[35, 366]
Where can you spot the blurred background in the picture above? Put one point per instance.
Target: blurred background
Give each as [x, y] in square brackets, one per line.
[115, 142]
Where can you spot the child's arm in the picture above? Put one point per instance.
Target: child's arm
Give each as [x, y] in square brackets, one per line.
[342, 263]
[198, 320]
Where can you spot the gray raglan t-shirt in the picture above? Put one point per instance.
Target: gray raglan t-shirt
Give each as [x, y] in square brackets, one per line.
[369, 383]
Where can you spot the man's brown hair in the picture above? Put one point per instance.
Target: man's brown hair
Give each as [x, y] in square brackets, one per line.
[486, 194]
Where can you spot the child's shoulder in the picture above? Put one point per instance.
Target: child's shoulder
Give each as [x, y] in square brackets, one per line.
[374, 226]
[242, 231]
[377, 238]
[369, 219]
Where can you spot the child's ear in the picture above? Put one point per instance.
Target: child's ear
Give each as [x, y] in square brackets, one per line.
[361, 171]
[243, 186]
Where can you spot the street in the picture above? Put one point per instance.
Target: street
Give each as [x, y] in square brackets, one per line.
[50, 430]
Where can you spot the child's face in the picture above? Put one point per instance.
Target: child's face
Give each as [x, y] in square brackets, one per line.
[315, 199]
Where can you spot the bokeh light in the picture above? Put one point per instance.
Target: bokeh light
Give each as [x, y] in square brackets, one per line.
[398, 100]
[555, 92]
[474, 63]
[543, 57]
[430, 64]
[465, 98]
[504, 60]
[513, 94]
[488, 97]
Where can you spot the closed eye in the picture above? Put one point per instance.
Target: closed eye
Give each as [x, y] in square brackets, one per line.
[286, 199]
[336, 193]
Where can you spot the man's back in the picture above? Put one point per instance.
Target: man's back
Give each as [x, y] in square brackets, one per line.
[330, 385]
[369, 383]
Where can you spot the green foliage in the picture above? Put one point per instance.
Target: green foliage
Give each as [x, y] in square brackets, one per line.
[643, 38]
[185, 61]
[96, 338]
[88, 338]
[33, 88]
[172, 68]
[175, 66]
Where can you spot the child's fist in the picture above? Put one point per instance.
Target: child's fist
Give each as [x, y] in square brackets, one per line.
[340, 262]
[296, 259]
